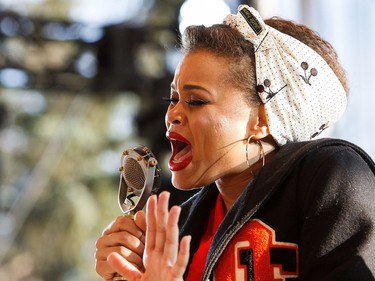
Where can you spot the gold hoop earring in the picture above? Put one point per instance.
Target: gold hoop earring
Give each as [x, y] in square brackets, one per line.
[261, 151]
[262, 155]
[247, 150]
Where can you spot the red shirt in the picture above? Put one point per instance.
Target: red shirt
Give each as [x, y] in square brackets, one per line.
[199, 259]
[248, 252]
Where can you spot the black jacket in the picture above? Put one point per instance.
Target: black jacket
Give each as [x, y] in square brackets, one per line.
[317, 201]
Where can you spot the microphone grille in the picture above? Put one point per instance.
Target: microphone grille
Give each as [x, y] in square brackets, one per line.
[133, 174]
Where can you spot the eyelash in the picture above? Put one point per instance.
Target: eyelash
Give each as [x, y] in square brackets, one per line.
[190, 102]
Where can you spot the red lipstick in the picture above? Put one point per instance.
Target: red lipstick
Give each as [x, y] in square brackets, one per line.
[182, 153]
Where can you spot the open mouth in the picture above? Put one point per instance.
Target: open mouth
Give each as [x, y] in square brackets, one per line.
[181, 152]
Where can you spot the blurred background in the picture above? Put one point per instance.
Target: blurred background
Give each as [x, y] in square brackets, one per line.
[82, 80]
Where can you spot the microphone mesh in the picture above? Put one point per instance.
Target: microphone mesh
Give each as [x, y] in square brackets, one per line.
[133, 174]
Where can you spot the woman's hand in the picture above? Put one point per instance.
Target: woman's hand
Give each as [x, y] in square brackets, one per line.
[124, 236]
[165, 258]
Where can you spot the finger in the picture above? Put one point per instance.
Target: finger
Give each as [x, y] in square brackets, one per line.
[104, 270]
[124, 223]
[179, 268]
[140, 221]
[151, 223]
[114, 225]
[171, 240]
[129, 255]
[162, 218]
[123, 267]
[117, 240]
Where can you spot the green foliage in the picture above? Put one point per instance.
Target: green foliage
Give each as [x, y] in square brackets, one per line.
[66, 196]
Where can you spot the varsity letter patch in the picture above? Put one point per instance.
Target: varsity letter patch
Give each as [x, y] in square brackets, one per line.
[254, 254]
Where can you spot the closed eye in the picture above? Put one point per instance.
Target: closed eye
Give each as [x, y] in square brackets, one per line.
[189, 102]
[196, 102]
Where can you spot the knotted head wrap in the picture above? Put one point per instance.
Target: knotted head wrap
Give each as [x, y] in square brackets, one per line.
[301, 94]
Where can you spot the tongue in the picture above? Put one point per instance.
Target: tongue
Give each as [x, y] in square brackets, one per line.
[182, 154]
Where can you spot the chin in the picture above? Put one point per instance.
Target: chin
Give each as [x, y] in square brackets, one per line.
[183, 184]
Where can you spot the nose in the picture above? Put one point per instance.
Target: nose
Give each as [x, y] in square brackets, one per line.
[174, 115]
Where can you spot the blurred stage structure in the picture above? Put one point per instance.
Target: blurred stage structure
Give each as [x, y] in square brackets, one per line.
[73, 95]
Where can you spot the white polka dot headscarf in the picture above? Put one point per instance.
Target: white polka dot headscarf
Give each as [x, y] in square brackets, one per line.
[301, 93]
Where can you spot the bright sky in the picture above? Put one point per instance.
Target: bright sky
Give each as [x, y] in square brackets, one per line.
[96, 12]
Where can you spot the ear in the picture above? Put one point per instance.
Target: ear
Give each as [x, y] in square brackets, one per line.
[259, 127]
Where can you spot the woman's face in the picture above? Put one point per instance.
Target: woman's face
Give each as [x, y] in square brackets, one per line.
[207, 122]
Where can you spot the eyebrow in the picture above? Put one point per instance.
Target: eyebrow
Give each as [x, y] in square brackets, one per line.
[190, 87]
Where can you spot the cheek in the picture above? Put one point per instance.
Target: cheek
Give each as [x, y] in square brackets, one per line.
[229, 130]
[218, 136]
[220, 129]
[212, 128]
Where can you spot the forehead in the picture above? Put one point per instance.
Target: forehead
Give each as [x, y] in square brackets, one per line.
[203, 65]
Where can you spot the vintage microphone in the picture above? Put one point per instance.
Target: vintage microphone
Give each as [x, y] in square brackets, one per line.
[140, 178]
